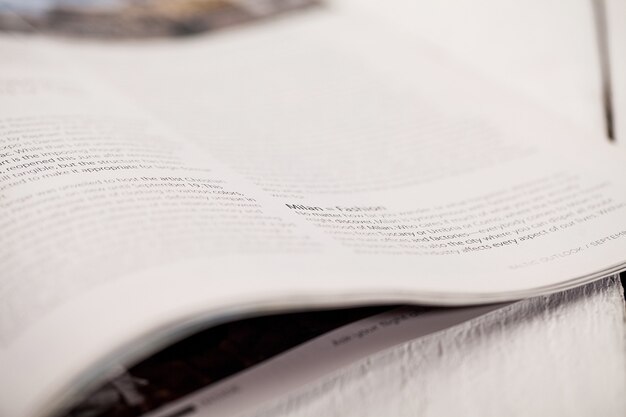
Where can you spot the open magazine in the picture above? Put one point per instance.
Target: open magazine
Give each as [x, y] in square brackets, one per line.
[318, 161]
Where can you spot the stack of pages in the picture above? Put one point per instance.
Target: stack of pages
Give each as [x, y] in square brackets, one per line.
[150, 189]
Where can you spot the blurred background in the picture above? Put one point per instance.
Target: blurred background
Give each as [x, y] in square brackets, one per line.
[138, 18]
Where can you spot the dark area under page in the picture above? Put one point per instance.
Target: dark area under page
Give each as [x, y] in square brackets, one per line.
[208, 357]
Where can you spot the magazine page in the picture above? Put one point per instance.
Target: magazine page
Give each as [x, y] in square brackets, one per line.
[131, 212]
[374, 124]
[555, 63]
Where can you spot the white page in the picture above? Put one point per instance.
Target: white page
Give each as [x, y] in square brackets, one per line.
[129, 274]
[544, 49]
